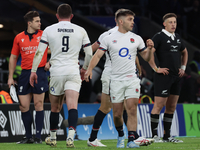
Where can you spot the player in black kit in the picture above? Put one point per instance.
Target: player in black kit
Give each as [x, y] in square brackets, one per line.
[172, 56]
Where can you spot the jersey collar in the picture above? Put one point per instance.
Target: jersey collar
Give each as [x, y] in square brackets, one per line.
[168, 33]
[26, 33]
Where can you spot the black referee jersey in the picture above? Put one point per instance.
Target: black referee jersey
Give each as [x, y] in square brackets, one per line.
[168, 51]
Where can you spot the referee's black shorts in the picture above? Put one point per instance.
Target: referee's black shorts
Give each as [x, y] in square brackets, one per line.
[165, 85]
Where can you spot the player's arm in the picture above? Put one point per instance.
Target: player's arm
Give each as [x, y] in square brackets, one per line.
[94, 61]
[36, 61]
[95, 46]
[146, 54]
[138, 65]
[154, 67]
[88, 56]
[184, 59]
[12, 65]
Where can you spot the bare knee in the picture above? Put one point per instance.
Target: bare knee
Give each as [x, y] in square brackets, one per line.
[38, 105]
[105, 110]
[23, 108]
[170, 108]
[56, 108]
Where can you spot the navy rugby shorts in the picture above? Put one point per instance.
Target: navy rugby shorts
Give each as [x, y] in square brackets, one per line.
[24, 86]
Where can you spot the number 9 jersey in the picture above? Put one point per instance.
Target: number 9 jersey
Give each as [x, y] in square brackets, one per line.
[65, 41]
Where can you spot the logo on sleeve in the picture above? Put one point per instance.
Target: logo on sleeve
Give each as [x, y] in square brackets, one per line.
[168, 41]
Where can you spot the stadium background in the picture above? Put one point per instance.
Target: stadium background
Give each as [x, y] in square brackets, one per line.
[96, 16]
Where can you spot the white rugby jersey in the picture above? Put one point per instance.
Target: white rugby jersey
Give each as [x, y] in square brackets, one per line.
[65, 41]
[122, 50]
[107, 66]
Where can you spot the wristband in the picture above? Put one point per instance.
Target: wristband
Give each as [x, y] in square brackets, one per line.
[155, 69]
[183, 67]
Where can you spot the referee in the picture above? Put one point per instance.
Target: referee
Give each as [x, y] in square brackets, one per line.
[172, 56]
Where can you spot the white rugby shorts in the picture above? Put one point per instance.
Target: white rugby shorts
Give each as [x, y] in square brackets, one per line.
[58, 84]
[124, 89]
[105, 80]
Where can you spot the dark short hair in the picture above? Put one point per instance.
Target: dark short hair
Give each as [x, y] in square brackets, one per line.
[123, 12]
[30, 15]
[64, 11]
[169, 15]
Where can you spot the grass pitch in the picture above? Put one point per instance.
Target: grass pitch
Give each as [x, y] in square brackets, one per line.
[189, 143]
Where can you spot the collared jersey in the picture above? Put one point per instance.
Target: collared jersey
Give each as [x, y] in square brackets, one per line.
[65, 41]
[168, 51]
[27, 47]
[107, 65]
[122, 50]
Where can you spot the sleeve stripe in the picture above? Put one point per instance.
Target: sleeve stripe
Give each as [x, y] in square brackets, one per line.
[142, 49]
[98, 42]
[45, 42]
[103, 49]
[88, 44]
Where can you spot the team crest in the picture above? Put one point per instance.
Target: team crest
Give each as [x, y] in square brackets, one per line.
[132, 40]
[136, 90]
[114, 41]
[113, 98]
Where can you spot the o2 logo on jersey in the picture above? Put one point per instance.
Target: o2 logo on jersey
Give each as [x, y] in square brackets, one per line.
[123, 52]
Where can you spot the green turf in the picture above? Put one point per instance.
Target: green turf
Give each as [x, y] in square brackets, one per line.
[190, 143]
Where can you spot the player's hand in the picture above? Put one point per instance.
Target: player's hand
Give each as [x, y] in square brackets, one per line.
[181, 72]
[33, 78]
[47, 66]
[164, 71]
[150, 43]
[82, 72]
[88, 75]
[11, 82]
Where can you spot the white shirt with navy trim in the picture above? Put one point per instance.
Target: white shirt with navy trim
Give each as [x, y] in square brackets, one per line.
[122, 49]
[107, 65]
[65, 41]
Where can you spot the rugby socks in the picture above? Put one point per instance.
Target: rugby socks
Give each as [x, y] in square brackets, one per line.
[120, 131]
[98, 119]
[72, 118]
[132, 135]
[27, 120]
[125, 117]
[167, 121]
[154, 124]
[39, 120]
[54, 120]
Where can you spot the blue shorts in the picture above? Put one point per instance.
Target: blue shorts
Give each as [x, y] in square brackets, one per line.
[24, 86]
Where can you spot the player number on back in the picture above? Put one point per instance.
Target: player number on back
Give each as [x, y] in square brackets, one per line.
[65, 43]
[123, 52]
